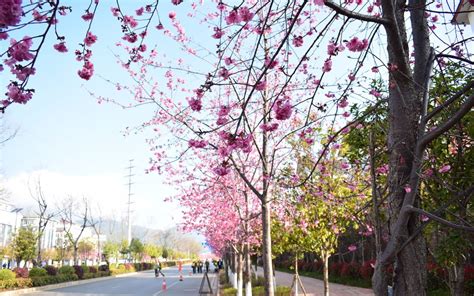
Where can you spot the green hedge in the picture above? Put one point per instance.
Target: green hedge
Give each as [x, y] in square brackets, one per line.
[49, 280]
[66, 270]
[18, 283]
[38, 272]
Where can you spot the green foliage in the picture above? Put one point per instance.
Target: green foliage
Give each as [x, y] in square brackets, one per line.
[6, 274]
[111, 250]
[49, 280]
[19, 283]
[229, 292]
[24, 244]
[136, 248]
[66, 270]
[165, 253]
[151, 250]
[38, 271]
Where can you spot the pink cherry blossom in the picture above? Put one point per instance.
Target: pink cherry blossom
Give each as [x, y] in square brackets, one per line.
[444, 169]
[87, 71]
[17, 95]
[90, 39]
[352, 248]
[223, 111]
[10, 12]
[115, 11]
[282, 109]
[140, 11]
[87, 16]
[221, 170]
[407, 188]
[261, 85]
[298, 41]
[218, 33]
[172, 14]
[195, 104]
[61, 47]
[20, 51]
[197, 143]
[269, 127]
[245, 14]
[176, 2]
[327, 65]
[130, 21]
[233, 17]
[375, 93]
[357, 45]
[343, 103]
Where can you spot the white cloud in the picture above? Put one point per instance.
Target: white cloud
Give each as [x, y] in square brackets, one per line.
[108, 191]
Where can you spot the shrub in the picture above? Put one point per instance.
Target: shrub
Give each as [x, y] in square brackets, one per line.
[366, 270]
[283, 291]
[49, 280]
[230, 292]
[350, 270]
[7, 274]
[258, 282]
[92, 269]
[18, 283]
[137, 266]
[104, 267]
[103, 273]
[21, 272]
[129, 267]
[66, 269]
[51, 270]
[335, 268]
[78, 271]
[85, 268]
[38, 271]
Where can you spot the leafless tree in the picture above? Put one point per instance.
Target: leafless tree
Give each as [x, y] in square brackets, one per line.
[43, 213]
[75, 214]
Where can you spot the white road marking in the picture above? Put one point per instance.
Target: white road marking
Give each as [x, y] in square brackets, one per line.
[162, 291]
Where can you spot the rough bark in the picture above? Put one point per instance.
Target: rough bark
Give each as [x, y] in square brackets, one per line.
[456, 279]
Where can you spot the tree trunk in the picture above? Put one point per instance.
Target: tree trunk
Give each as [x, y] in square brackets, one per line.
[456, 279]
[240, 274]
[326, 273]
[248, 271]
[75, 255]
[267, 248]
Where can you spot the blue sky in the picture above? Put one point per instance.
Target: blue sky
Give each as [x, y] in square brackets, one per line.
[76, 144]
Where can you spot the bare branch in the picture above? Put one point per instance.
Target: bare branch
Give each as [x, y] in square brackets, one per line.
[356, 15]
[439, 219]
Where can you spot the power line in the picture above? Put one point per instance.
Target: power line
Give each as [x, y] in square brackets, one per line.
[129, 203]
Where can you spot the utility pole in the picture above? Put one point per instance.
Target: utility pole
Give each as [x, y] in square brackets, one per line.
[129, 203]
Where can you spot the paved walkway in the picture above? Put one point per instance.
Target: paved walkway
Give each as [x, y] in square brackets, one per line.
[316, 287]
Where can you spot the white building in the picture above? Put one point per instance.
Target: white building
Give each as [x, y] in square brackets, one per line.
[48, 240]
[465, 13]
[10, 219]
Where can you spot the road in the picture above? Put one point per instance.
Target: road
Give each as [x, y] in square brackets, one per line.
[142, 283]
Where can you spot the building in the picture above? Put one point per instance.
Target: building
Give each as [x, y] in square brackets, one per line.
[465, 13]
[10, 220]
[48, 240]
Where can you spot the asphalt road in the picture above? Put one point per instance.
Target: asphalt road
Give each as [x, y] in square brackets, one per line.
[142, 283]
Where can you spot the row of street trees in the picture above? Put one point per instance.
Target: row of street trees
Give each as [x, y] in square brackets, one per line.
[310, 116]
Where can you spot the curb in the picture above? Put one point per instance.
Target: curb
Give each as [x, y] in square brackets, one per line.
[67, 284]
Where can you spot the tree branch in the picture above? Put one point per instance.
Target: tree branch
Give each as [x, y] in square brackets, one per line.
[438, 219]
[463, 110]
[355, 15]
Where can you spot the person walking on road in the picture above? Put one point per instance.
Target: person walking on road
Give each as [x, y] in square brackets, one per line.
[158, 269]
[194, 266]
[207, 265]
[200, 265]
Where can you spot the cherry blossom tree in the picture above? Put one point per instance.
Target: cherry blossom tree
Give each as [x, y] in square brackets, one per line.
[275, 69]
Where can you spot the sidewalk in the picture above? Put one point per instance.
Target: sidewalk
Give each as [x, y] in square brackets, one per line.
[316, 287]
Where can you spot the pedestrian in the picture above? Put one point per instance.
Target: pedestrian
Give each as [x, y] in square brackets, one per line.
[200, 266]
[220, 264]
[194, 266]
[207, 265]
[158, 269]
